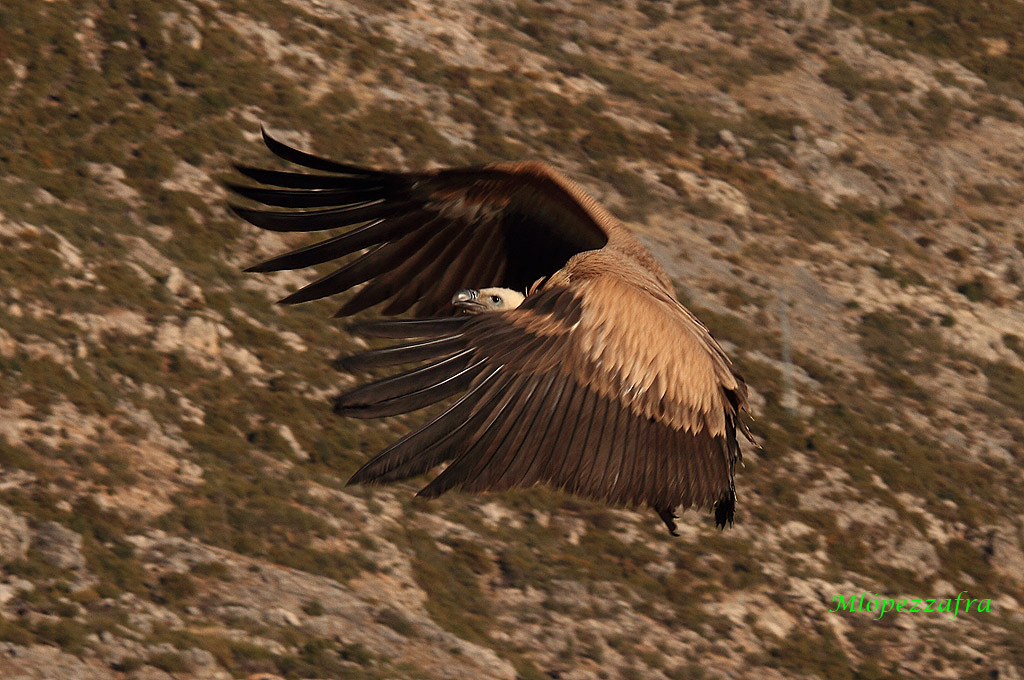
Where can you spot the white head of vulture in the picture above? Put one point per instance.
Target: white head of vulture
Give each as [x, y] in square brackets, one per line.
[487, 300]
[597, 382]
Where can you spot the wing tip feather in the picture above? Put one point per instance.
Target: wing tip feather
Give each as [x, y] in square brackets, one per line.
[260, 268]
[239, 211]
[301, 295]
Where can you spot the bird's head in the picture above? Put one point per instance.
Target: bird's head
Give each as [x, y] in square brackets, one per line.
[487, 300]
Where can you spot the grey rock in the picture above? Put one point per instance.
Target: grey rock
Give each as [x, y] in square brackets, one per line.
[59, 546]
[293, 443]
[178, 29]
[112, 178]
[200, 658]
[12, 586]
[42, 662]
[177, 284]
[914, 554]
[1007, 555]
[729, 140]
[150, 673]
[810, 13]
[279, 616]
[163, 648]
[570, 47]
[15, 536]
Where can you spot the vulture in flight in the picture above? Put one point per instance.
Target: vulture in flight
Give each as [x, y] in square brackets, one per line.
[547, 327]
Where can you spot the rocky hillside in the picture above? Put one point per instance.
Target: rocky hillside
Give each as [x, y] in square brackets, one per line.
[836, 188]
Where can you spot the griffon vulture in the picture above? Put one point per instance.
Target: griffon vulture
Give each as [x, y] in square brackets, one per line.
[597, 381]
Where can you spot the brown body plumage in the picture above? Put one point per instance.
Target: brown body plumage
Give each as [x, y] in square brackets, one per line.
[599, 383]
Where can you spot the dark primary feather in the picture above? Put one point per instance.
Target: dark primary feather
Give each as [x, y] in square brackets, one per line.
[409, 328]
[324, 251]
[410, 390]
[308, 160]
[295, 180]
[316, 198]
[328, 218]
[435, 442]
[411, 352]
[429, 234]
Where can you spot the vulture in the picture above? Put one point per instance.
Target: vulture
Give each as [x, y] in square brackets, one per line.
[548, 331]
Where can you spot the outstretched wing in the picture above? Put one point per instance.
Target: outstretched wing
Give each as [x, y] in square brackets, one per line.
[598, 388]
[425, 235]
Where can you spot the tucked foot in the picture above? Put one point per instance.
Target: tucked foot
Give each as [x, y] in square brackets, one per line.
[669, 518]
[725, 509]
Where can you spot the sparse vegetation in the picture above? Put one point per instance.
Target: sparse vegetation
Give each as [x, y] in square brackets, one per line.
[851, 82]
[209, 536]
[977, 289]
[926, 29]
[455, 599]
[396, 621]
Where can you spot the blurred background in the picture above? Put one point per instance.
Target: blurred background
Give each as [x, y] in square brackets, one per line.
[835, 187]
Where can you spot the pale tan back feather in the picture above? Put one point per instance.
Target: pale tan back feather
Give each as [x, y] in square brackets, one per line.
[649, 355]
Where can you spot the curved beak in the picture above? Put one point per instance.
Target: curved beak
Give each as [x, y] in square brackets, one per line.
[468, 300]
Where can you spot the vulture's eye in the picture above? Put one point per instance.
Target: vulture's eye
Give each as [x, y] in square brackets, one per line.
[495, 299]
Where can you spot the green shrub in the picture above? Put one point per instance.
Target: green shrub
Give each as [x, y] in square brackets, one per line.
[977, 289]
[455, 600]
[396, 621]
[175, 587]
[170, 662]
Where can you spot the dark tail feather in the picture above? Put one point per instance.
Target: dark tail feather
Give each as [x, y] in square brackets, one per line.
[725, 509]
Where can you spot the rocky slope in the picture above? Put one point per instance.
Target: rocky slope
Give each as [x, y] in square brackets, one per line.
[837, 189]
